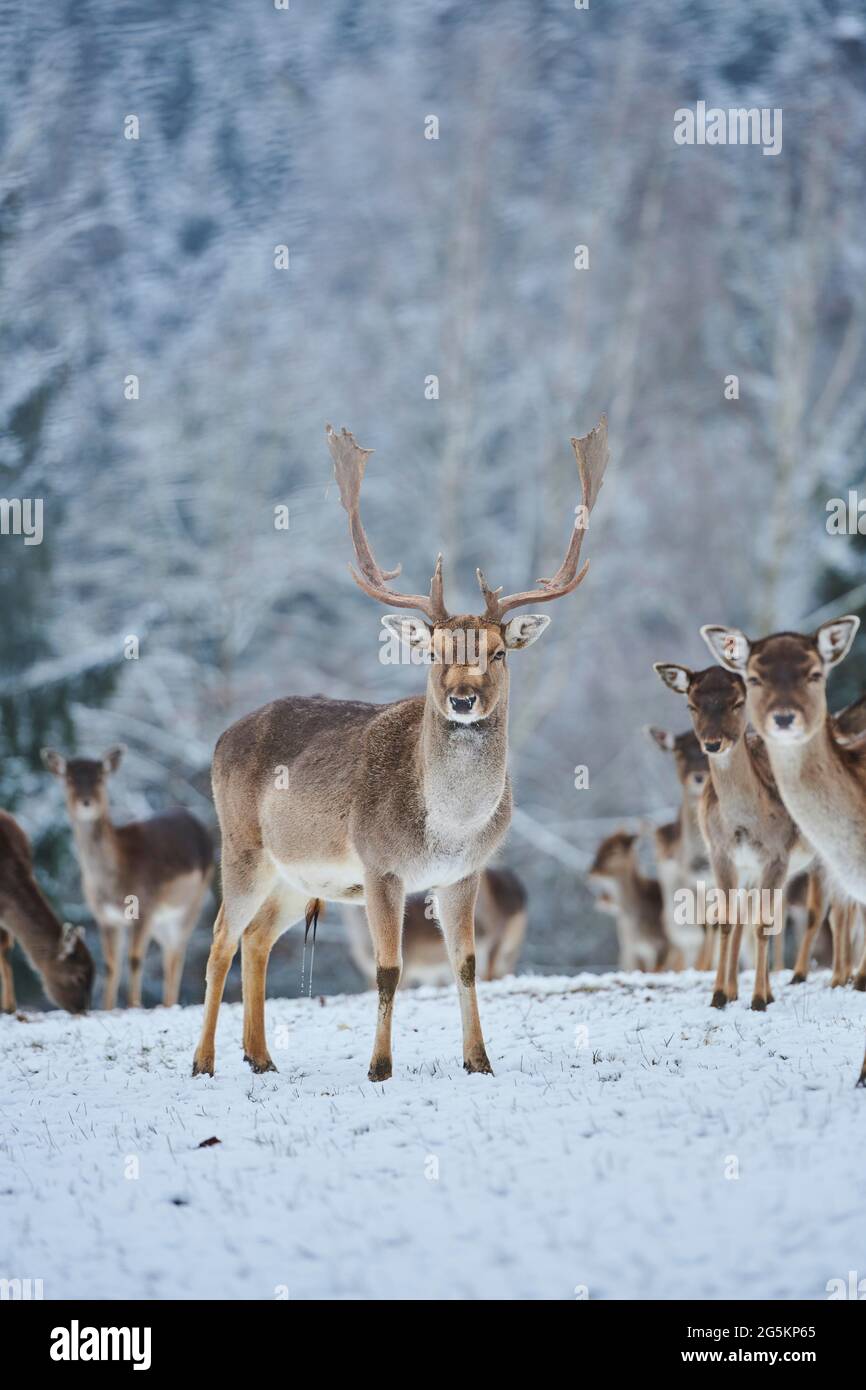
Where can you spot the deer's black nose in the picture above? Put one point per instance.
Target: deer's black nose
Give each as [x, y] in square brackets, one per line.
[712, 745]
[783, 721]
[461, 704]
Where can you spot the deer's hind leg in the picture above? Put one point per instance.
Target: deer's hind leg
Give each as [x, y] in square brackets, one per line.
[174, 955]
[277, 913]
[243, 895]
[7, 984]
[457, 913]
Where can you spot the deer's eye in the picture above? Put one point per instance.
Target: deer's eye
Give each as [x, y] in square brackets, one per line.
[499, 656]
[739, 705]
[817, 676]
[753, 680]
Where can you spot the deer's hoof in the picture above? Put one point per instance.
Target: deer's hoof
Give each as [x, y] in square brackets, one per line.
[380, 1069]
[479, 1062]
[862, 1081]
[759, 1004]
[719, 999]
[259, 1064]
[860, 983]
[203, 1066]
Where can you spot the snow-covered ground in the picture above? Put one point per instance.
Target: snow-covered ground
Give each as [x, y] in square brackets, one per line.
[632, 1144]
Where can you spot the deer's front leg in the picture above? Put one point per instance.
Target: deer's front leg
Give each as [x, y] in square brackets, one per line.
[7, 984]
[139, 941]
[725, 988]
[112, 944]
[860, 977]
[772, 882]
[841, 950]
[384, 898]
[457, 915]
[816, 906]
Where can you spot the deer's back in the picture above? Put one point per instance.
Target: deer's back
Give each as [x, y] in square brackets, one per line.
[285, 776]
[16, 865]
[170, 844]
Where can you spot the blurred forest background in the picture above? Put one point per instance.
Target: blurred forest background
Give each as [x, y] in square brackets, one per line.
[408, 258]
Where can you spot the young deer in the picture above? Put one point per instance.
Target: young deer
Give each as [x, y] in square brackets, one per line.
[635, 901]
[821, 781]
[753, 842]
[681, 854]
[56, 952]
[500, 926]
[150, 875]
[350, 802]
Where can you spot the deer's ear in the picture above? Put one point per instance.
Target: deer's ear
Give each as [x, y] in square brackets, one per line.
[54, 761]
[834, 639]
[69, 939]
[413, 631]
[676, 678]
[523, 631]
[728, 645]
[111, 758]
[664, 740]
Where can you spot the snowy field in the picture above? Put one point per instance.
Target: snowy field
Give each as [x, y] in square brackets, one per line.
[600, 1157]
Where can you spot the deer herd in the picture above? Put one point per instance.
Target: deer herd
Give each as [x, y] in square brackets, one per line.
[396, 810]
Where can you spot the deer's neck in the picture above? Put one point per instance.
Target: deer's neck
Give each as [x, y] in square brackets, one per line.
[463, 769]
[30, 919]
[96, 843]
[693, 850]
[734, 777]
[824, 791]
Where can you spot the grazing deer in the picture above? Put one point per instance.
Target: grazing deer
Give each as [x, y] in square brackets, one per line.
[635, 901]
[56, 952]
[500, 926]
[681, 853]
[821, 781]
[350, 802]
[753, 842]
[150, 876]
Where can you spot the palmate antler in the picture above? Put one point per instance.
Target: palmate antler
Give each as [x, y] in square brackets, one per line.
[350, 462]
[592, 455]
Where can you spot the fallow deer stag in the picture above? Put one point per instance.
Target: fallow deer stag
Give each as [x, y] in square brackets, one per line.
[56, 952]
[753, 842]
[149, 876]
[330, 799]
[821, 782]
[500, 926]
[681, 854]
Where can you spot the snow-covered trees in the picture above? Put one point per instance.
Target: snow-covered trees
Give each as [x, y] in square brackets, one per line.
[429, 297]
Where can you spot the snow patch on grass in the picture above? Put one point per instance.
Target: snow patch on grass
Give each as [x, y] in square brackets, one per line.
[597, 1155]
